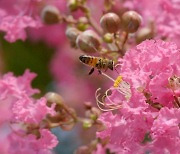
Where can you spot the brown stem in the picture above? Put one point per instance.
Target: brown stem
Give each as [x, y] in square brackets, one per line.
[117, 43]
[96, 27]
[69, 20]
[70, 113]
[125, 37]
[54, 125]
[91, 21]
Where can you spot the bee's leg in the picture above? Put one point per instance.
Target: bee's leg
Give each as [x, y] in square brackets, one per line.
[91, 71]
[106, 69]
[99, 71]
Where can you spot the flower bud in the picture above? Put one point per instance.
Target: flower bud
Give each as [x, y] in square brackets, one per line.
[96, 111]
[108, 38]
[88, 105]
[72, 34]
[72, 5]
[143, 34]
[82, 23]
[93, 113]
[50, 15]
[87, 123]
[131, 21]
[54, 98]
[88, 41]
[110, 22]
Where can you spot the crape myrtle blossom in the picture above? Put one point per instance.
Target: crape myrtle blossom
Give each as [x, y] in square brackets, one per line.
[148, 122]
[18, 16]
[19, 111]
[15, 17]
[164, 14]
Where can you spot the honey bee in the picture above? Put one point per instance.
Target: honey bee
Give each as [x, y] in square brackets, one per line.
[97, 62]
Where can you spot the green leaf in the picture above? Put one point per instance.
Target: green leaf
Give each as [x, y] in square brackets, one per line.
[19, 56]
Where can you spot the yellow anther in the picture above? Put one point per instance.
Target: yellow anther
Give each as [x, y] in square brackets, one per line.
[118, 81]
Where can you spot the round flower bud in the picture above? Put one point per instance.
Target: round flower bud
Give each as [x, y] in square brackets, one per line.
[143, 34]
[108, 38]
[110, 22]
[82, 23]
[131, 21]
[88, 41]
[72, 34]
[87, 123]
[72, 5]
[54, 98]
[50, 15]
[88, 105]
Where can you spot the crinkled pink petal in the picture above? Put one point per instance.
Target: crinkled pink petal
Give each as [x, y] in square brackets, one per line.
[167, 119]
[99, 150]
[28, 111]
[147, 67]
[13, 89]
[47, 140]
[20, 143]
[14, 26]
[24, 82]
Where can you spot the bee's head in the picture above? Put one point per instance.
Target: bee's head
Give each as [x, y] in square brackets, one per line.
[81, 58]
[111, 65]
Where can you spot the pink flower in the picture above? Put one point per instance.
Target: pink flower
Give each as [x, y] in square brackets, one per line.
[126, 130]
[30, 111]
[14, 26]
[165, 14]
[99, 150]
[13, 89]
[165, 131]
[149, 120]
[150, 65]
[20, 111]
[20, 143]
[18, 16]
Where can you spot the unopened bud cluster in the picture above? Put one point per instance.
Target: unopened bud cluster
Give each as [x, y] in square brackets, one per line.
[65, 116]
[130, 22]
[91, 114]
[88, 36]
[106, 37]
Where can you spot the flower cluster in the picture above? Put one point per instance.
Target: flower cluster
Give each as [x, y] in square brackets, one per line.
[149, 120]
[141, 108]
[20, 112]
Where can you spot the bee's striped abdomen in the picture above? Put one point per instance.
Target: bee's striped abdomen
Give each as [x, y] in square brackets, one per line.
[93, 61]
